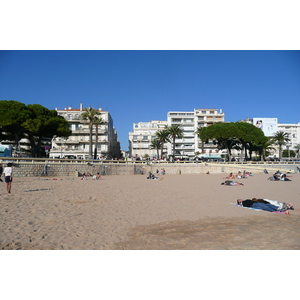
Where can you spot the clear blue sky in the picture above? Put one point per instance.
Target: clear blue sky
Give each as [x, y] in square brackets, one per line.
[139, 86]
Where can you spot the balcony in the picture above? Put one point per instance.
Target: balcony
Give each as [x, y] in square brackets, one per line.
[61, 141]
[85, 131]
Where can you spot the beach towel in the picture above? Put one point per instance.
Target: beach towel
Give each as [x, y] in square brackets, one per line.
[247, 207]
[278, 212]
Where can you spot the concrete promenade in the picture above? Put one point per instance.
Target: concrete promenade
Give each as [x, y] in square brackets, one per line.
[34, 167]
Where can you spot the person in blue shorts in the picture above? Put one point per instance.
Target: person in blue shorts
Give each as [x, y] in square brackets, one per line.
[8, 176]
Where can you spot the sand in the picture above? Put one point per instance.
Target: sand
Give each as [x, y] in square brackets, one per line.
[131, 212]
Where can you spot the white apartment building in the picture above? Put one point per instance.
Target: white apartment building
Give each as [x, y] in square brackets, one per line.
[77, 144]
[293, 130]
[189, 122]
[188, 146]
[141, 138]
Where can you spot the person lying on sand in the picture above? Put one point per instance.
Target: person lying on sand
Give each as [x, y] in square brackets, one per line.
[231, 182]
[283, 177]
[266, 204]
[279, 177]
[151, 176]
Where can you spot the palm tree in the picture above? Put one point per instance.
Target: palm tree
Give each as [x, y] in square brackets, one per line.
[264, 148]
[156, 144]
[175, 132]
[297, 147]
[163, 137]
[280, 138]
[90, 114]
[97, 121]
[200, 133]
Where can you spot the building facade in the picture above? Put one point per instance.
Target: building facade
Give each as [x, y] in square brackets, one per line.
[187, 146]
[190, 145]
[142, 136]
[77, 144]
[293, 130]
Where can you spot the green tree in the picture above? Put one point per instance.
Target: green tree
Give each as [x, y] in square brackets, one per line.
[288, 153]
[238, 135]
[43, 123]
[250, 137]
[174, 131]
[201, 133]
[223, 135]
[97, 121]
[90, 114]
[163, 137]
[156, 144]
[280, 139]
[297, 148]
[13, 114]
[265, 147]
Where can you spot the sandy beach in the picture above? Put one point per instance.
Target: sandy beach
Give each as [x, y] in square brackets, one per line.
[130, 212]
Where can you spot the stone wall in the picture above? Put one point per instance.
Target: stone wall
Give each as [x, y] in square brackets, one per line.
[36, 169]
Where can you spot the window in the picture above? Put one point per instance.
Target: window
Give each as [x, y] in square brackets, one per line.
[176, 120]
[145, 138]
[189, 120]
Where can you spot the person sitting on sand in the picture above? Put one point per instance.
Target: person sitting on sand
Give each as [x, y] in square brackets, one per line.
[240, 175]
[231, 176]
[97, 177]
[283, 177]
[265, 204]
[83, 177]
[245, 174]
[274, 177]
[231, 183]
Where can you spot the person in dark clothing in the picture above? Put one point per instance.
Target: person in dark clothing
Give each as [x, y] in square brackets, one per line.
[257, 205]
[261, 204]
[1, 171]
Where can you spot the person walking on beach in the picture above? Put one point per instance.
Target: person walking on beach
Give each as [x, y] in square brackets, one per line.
[1, 171]
[8, 176]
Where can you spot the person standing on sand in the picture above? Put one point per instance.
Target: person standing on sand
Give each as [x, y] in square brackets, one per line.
[8, 176]
[1, 171]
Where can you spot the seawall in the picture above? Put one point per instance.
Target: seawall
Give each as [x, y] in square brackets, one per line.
[42, 167]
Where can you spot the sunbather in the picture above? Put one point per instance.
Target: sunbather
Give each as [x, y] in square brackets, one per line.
[265, 204]
[231, 182]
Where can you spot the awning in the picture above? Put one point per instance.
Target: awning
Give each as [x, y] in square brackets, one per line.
[212, 156]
